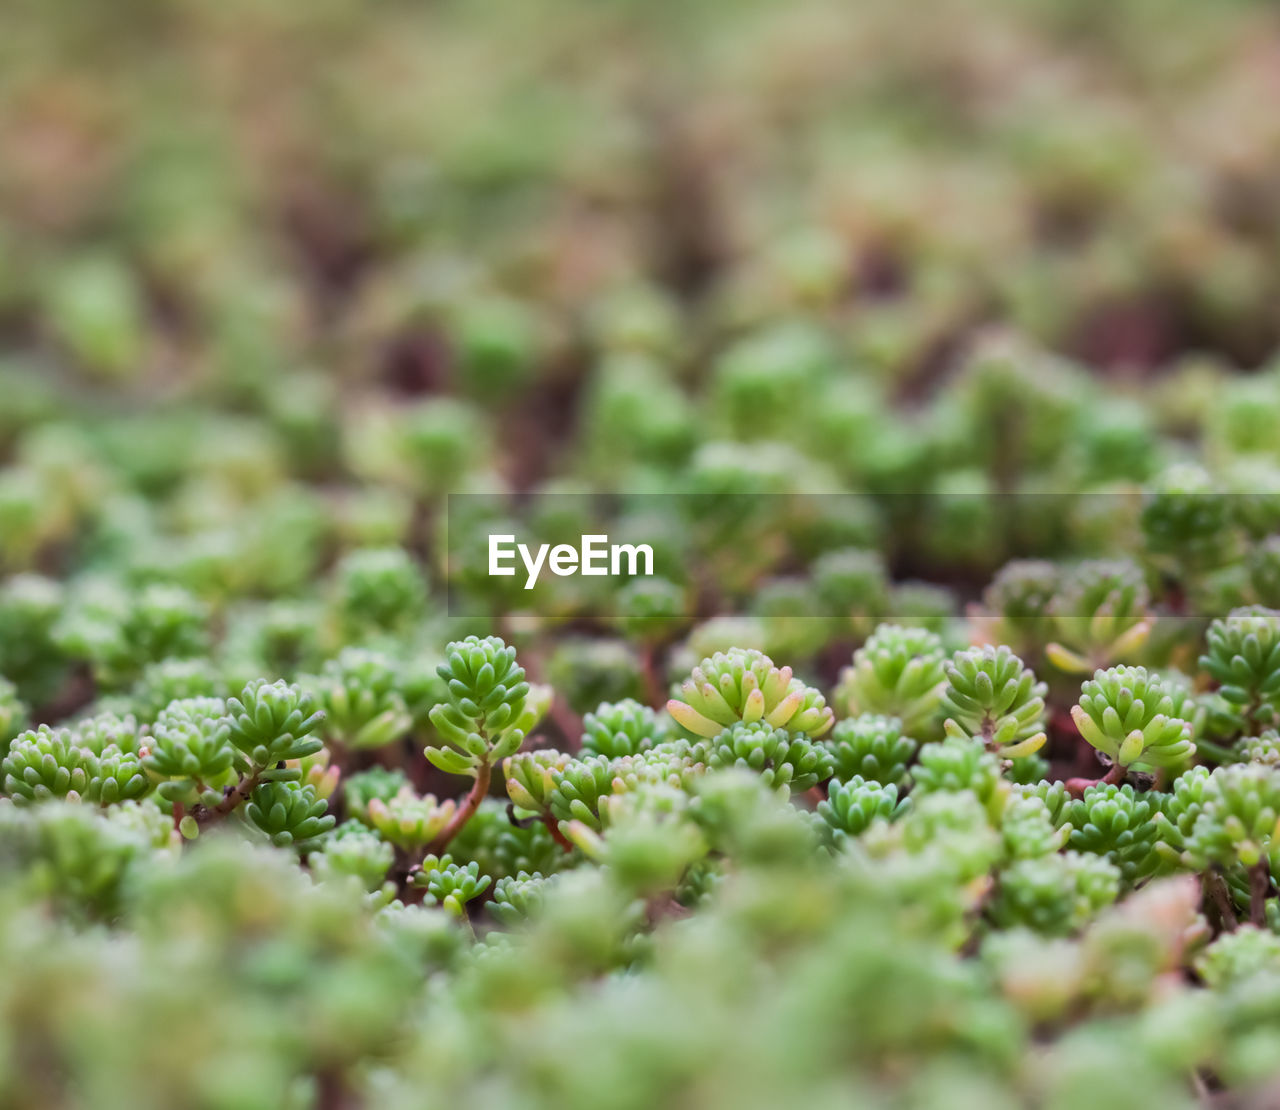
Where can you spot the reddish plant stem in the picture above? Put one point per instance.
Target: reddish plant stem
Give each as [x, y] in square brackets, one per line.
[653, 692]
[208, 815]
[411, 894]
[1216, 888]
[332, 1090]
[464, 813]
[1259, 888]
[554, 829]
[567, 721]
[1114, 777]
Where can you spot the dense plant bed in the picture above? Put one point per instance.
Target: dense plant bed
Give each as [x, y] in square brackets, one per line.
[630, 555]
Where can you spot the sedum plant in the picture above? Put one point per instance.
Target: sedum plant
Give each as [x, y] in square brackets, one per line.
[270, 723]
[622, 728]
[450, 885]
[483, 719]
[1101, 615]
[872, 746]
[1242, 655]
[288, 813]
[352, 852]
[1238, 819]
[851, 806]
[1131, 717]
[1235, 958]
[991, 696]
[1016, 606]
[407, 822]
[898, 672]
[530, 776]
[517, 898]
[189, 749]
[1055, 894]
[485, 706]
[785, 760]
[378, 590]
[363, 707]
[1118, 824]
[745, 686]
[120, 777]
[957, 764]
[48, 763]
[807, 812]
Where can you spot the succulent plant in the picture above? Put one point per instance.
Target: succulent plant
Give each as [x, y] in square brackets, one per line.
[872, 746]
[622, 728]
[1114, 822]
[785, 760]
[484, 718]
[581, 789]
[991, 696]
[530, 776]
[13, 714]
[958, 764]
[288, 813]
[1235, 958]
[379, 589]
[1055, 894]
[898, 672]
[363, 787]
[363, 708]
[1188, 521]
[175, 680]
[1016, 606]
[650, 608]
[1237, 822]
[189, 748]
[407, 821]
[118, 633]
[1131, 717]
[120, 777]
[351, 850]
[517, 898]
[851, 806]
[300, 311]
[1030, 829]
[449, 884]
[271, 722]
[853, 584]
[48, 763]
[746, 686]
[1243, 656]
[1101, 615]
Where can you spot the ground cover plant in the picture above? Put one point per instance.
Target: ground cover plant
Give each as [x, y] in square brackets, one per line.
[933, 354]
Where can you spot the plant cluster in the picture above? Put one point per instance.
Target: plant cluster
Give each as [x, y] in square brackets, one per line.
[937, 762]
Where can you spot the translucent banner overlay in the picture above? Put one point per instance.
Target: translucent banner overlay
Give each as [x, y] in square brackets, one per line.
[887, 556]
